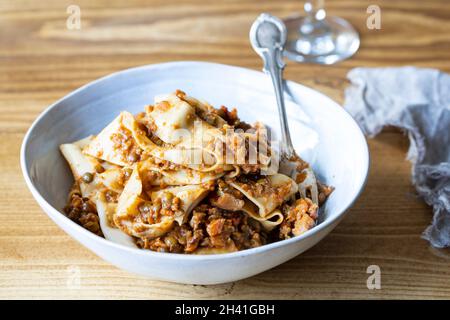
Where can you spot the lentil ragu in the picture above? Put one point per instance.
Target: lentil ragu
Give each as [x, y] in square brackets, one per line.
[83, 212]
[154, 200]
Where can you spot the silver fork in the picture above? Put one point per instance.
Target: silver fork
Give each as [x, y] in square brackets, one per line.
[268, 37]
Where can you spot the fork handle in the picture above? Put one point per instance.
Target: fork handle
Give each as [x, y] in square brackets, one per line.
[274, 66]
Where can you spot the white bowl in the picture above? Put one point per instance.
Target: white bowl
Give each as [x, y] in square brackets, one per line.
[323, 133]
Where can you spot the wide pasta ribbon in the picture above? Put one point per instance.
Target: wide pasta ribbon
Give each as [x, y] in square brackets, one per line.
[80, 164]
[129, 218]
[106, 211]
[178, 121]
[269, 194]
[261, 205]
[190, 197]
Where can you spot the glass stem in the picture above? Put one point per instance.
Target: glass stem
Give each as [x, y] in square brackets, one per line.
[315, 10]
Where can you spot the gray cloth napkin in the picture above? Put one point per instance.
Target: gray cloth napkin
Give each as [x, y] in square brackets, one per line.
[418, 101]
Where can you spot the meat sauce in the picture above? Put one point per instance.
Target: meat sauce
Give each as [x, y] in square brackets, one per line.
[219, 221]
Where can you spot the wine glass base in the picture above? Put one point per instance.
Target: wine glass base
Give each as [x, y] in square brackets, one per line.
[334, 40]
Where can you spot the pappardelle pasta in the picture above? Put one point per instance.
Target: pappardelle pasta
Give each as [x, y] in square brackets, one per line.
[185, 177]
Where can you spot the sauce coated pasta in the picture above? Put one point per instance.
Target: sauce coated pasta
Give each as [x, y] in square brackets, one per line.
[184, 177]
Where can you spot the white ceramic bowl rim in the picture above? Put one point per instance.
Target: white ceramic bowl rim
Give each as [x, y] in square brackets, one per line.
[59, 216]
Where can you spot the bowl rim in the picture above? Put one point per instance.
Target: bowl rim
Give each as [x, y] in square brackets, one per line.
[59, 217]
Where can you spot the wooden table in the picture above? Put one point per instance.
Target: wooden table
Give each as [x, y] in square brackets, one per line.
[41, 61]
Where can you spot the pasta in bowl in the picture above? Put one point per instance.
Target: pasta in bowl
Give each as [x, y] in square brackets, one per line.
[185, 177]
[323, 134]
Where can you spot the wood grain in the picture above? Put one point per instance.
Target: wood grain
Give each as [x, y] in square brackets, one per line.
[41, 61]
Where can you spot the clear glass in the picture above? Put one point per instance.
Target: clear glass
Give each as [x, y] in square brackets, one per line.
[317, 38]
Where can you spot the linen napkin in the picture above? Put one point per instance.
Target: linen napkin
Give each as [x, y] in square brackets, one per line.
[418, 101]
